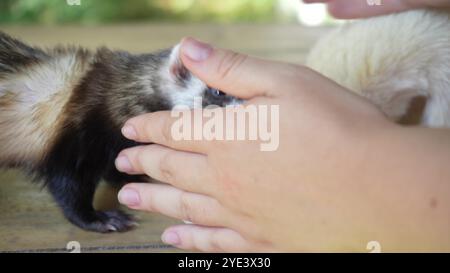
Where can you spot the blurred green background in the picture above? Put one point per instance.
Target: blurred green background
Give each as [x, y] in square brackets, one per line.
[90, 12]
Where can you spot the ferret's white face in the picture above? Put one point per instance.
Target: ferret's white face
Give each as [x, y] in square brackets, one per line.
[182, 87]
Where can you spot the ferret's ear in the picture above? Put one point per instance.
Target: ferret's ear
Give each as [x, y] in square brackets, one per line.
[176, 68]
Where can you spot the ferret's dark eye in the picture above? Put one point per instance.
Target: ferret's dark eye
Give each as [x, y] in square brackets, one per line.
[216, 92]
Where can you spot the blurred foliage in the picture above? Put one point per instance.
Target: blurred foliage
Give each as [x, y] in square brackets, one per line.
[110, 11]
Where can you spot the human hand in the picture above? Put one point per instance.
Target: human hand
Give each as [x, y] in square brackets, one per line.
[309, 194]
[349, 9]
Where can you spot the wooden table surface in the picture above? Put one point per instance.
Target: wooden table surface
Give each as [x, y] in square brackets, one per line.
[31, 221]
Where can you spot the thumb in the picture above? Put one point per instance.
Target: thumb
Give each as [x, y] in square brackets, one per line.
[236, 74]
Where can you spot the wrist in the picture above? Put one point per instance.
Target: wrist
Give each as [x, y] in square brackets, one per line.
[405, 188]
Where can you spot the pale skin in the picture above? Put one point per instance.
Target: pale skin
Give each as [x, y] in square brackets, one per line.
[350, 9]
[342, 176]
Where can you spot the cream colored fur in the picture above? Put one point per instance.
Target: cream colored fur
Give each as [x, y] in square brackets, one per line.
[392, 59]
[32, 103]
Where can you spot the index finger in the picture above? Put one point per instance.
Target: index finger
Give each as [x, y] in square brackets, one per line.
[160, 127]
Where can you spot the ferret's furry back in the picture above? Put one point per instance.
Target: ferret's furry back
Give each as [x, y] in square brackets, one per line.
[396, 61]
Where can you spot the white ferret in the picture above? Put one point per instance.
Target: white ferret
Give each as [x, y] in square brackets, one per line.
[396, 61]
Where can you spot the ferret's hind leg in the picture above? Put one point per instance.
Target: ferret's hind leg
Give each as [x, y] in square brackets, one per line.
[75, 197]
[72, 170]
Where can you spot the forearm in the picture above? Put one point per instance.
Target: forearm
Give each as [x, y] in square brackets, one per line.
[410, 184]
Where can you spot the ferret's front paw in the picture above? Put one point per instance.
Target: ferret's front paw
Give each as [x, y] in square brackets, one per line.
[110, 221]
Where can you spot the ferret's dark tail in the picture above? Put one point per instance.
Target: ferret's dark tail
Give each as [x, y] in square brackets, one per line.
[15, 55]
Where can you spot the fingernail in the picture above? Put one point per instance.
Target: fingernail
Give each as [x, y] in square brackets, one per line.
[129, 132]
[123, 164]
[129, 197]
[171, 238]
[195, 50]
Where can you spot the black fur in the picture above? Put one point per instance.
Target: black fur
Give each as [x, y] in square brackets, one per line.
[15, 55]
